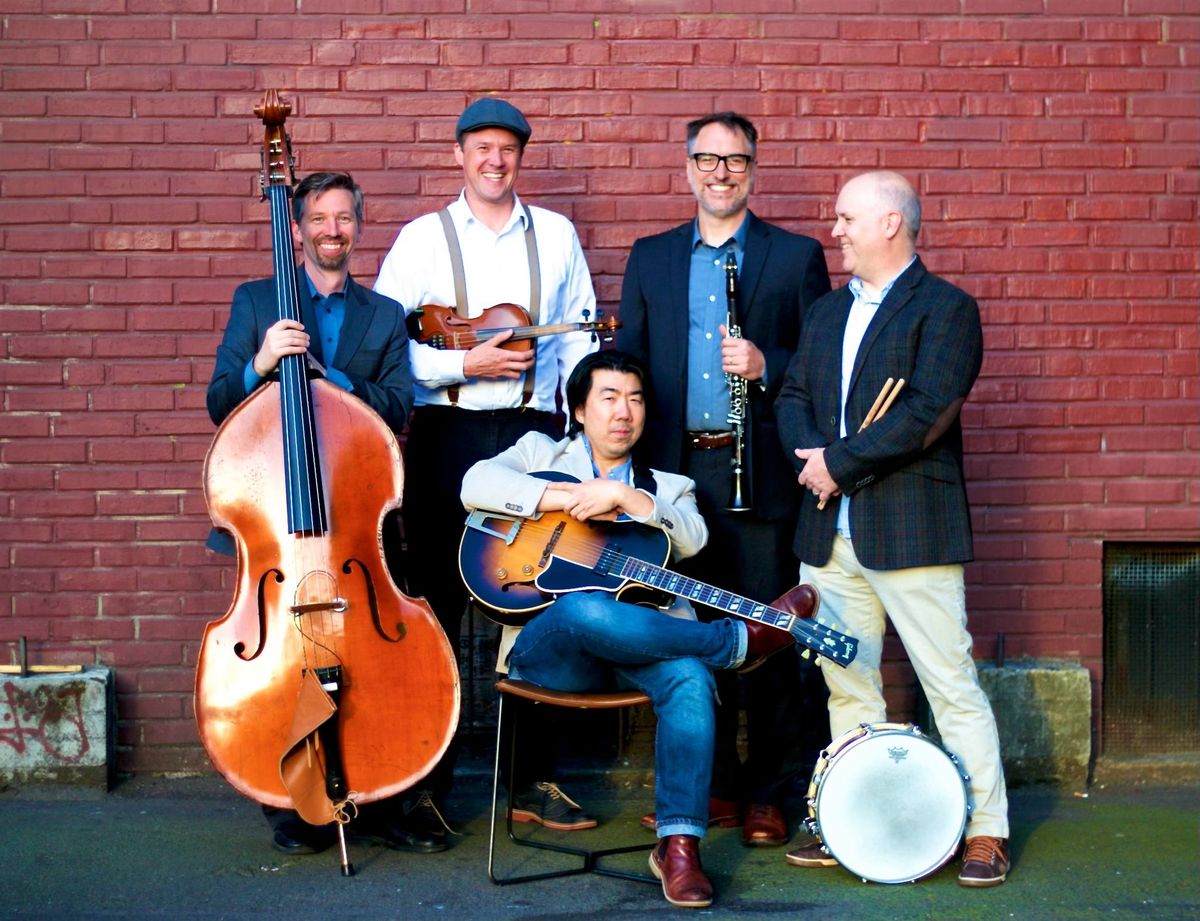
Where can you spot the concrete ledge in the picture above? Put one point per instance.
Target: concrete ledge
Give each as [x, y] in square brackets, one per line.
[1044, 715]
[58, 728]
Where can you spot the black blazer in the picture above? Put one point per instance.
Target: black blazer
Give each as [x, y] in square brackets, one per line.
[372, 352]
[782, 273]
[372, 349]
[903, 473]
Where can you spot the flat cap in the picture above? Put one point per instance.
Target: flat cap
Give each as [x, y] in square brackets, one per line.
[492, 113]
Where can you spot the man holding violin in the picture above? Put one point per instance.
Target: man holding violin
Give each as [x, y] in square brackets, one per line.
[486, 248]
[357, 338]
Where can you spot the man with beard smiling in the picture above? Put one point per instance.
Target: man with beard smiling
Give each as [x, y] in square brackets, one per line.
[673, 311]
[354, 333]
[359, 338]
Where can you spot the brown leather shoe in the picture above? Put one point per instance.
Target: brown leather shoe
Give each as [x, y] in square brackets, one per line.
[723, 813]
[765, 826]
[985, 862]
[810, 855]
[762, 642]
[676, 861]
[801, 601]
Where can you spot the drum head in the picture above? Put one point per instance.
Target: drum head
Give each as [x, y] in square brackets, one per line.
[891, 806]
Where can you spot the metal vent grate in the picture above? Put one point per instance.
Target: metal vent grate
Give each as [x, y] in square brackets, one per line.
[1151, 701]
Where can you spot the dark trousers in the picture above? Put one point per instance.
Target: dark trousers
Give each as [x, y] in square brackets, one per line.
[752, 557]
[443, 443]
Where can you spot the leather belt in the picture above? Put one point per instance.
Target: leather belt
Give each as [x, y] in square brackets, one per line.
[705, 441]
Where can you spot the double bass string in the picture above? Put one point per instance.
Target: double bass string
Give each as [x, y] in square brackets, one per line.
[306, 506]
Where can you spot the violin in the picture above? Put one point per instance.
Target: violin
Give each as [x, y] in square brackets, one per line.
[442, 328]
[323, 687]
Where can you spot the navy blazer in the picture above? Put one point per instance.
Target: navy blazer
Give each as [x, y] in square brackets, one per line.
[372, 349]
[904, 472]
[372, 352]
[782, 273]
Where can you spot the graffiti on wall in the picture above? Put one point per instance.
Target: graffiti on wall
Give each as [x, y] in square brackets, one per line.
[42, 722]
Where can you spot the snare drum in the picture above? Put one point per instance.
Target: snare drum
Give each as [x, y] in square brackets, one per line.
[889, 804]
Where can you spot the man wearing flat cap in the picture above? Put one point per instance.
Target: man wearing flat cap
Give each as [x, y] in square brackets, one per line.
[485, 248]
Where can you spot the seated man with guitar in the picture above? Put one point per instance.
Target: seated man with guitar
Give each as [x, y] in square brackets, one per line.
[573, 528]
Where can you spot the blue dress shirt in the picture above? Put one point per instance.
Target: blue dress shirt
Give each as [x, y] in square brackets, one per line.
[707, 389]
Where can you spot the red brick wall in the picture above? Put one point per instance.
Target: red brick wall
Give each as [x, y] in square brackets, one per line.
[1054, 143]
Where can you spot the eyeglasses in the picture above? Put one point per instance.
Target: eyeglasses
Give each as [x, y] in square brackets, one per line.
[735, 163]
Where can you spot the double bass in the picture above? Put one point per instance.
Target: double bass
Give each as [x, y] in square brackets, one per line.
[323, 687]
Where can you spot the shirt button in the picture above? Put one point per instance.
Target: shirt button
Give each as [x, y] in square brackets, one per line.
[708, 335]
[706, 415]
[705, 375]
[833, 420]
[711, 298]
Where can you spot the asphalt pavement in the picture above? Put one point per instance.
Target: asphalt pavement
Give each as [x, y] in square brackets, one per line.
[192, 848]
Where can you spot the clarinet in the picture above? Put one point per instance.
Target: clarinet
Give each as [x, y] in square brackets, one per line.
[739, 400]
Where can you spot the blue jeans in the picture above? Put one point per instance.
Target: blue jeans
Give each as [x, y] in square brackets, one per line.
[588, 641]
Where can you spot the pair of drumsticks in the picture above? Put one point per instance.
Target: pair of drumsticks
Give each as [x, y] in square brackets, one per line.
[887, 396]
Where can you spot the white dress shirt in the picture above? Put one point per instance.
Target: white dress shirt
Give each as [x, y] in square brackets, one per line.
[417, 271]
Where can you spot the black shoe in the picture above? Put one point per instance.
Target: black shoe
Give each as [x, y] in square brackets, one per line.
[298, 837]
[547, 805]
[420, 829]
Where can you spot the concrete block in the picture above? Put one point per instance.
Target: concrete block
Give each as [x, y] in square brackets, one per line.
[58, 728]
[1044, 714]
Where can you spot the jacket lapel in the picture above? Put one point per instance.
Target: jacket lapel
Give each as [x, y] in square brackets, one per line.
[758, 245]
[678, 271]
[359, 314]
[901, 294]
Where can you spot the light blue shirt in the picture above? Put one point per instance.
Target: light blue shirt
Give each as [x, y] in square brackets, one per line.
[707, 389]
[622, 473]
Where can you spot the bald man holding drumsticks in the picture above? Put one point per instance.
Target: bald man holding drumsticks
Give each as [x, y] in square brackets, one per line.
[884, 527]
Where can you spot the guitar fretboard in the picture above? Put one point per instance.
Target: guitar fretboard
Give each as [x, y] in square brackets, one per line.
[613, 562]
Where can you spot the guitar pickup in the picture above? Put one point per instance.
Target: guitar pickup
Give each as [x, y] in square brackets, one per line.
[478, 521]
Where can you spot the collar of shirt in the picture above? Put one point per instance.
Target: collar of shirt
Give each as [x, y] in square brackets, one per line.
[622, 472]
[464, 217]
[858, 289]
[738, 239]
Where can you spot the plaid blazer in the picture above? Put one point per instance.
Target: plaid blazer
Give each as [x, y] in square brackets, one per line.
[904, 472]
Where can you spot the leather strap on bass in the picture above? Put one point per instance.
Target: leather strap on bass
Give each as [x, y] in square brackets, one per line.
[461, 306]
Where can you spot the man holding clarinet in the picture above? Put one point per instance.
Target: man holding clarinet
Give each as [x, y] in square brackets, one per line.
[713, 389]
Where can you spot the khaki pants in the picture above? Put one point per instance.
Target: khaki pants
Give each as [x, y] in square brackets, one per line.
[928, 609]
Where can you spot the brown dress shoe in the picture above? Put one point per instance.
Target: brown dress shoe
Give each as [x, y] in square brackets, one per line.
[812, 854]
[762, 642]
[765, 826]
[985, 862]
[676, 861]
[724, 813]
